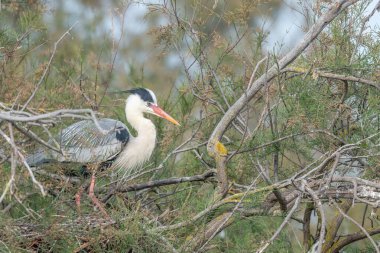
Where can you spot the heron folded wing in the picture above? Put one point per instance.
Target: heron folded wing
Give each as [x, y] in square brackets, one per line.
[83, 142]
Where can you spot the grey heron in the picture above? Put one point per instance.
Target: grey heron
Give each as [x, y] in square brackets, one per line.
[83, 142]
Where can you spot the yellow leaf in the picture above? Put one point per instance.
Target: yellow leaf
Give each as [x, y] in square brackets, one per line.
[221, 149]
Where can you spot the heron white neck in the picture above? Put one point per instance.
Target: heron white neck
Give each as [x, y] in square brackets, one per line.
[139, 148]
[143, 126]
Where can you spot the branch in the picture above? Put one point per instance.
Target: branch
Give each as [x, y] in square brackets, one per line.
[334, 226]
[353, 238]
[35, 137]
[335, 9]
[168, 181]
[359, 226]
[306, 225]
[64, 113]
[231, 199]
[318, 203]
[162, 182]
[24, 162]
[335, 76]
[281, 227]
[221, 222]
[284, 138]
[191, 220]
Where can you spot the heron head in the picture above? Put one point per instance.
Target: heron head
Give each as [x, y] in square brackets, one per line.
[145, 100]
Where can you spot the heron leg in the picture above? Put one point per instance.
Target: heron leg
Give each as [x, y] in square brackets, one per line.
[94, 198]
[78, 196]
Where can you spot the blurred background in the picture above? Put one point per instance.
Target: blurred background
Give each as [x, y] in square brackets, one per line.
[123, 43]
[92, 46]
[126, 37]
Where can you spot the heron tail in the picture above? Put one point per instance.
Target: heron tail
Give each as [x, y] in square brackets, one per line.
[38, 158]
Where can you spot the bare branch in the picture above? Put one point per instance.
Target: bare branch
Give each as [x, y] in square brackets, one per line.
[359, 226]
[281, 227]
[344, 77]
[163, 182]
[64, 113]
[214, 229]
[318, 202]
[340, 244]
[24, 162]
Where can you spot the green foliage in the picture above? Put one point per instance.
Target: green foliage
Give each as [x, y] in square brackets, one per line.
[245, 235]
[223, 45]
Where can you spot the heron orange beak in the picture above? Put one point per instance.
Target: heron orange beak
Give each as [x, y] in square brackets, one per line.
[161, 113]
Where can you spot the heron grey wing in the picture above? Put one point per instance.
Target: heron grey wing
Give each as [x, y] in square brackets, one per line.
[83, 142]
[86, 134]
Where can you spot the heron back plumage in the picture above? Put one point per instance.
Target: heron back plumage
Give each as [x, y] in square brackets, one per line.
[83, 142]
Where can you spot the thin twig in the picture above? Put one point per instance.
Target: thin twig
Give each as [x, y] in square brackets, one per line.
[48, 66]
[23, 160]
[318, 203]
[281, 227]
[359, 226]
[63, 113]
[217, 230]
[344, 77]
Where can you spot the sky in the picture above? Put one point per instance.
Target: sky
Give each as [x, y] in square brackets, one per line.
[285, 29]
